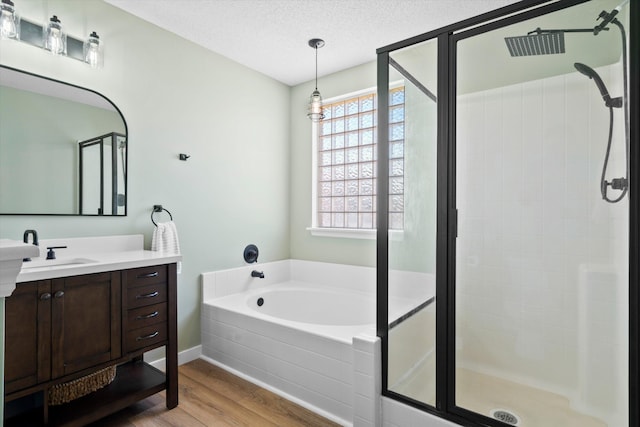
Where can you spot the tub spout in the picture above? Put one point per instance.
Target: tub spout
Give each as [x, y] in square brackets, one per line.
[256, 273]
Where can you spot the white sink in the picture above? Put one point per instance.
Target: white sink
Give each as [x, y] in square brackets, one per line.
[11, 254]
[59, 262]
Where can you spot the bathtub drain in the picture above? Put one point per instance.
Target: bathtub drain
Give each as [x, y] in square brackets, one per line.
[505, 416]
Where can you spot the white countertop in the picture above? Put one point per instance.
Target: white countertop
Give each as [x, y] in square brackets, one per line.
[86, 255]
[106, 261]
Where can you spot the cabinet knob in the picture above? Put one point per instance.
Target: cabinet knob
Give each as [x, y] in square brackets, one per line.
[58, 294]
[45, 296]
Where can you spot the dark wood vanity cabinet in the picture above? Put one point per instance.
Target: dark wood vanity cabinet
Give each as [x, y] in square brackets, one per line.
[61, 329]
[27, 357]
[85, 322]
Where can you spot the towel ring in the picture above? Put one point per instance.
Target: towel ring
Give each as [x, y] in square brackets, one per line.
[159, 208]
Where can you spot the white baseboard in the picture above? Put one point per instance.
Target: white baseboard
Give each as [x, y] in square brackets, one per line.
[157, 360]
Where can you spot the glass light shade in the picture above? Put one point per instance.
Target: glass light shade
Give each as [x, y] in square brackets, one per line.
[315, 107]
[92, 51]
[9, 21]
[55, 40]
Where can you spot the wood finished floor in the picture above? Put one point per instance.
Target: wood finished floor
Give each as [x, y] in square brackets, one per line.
[210, 396]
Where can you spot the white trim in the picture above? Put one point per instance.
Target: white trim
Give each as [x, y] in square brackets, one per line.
[314, 173]
[184, 356]
[349, 233]
[354, 233]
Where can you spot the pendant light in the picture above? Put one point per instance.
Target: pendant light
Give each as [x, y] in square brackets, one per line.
[315, 100]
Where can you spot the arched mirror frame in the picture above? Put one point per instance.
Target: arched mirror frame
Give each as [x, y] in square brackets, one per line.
[110, 200]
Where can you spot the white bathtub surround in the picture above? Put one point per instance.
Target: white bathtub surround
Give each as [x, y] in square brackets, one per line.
[367, 384]
[226, 282]
[331, 366]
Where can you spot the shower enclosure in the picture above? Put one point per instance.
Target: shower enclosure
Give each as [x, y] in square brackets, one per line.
[510, 296]
[102, 162]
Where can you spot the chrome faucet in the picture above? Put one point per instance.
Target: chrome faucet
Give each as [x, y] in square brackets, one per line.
[25, 239]
[256, 273]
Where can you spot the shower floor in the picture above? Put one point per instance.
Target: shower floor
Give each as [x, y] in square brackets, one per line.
[482, 393]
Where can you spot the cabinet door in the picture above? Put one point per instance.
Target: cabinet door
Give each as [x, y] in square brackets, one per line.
[86, 328]
[27, 335]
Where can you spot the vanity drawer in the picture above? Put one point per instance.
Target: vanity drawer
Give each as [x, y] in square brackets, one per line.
[146, 295]
[143, 337]
[147, 315]
[146, 276]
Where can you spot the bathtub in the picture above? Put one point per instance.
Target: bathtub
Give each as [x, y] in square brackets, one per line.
[306, 331]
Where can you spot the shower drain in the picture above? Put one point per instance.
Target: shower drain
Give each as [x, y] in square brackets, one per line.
[505, 416]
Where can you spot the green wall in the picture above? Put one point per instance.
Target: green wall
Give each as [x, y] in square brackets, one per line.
[249, 176]
[303, 244]
[414, 248]
[176, 97]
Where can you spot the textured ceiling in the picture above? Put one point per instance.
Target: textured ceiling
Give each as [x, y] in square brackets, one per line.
[271, 36]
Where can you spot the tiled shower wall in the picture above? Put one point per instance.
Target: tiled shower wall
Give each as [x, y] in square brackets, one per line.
[542, 264]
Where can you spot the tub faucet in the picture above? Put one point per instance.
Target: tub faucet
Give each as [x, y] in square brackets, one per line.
[25, 239]
[256, 273]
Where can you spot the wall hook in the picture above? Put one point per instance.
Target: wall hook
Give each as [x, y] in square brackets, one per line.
[184, 156]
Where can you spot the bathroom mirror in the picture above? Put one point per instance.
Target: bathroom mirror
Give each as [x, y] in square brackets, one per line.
[63, 149]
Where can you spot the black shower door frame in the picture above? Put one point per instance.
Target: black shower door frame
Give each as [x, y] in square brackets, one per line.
[447, 37]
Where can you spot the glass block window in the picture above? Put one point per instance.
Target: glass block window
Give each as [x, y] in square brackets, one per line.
[346, 162]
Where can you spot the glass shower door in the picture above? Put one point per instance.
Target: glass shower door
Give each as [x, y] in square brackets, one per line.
[412, 222]
[542, 269]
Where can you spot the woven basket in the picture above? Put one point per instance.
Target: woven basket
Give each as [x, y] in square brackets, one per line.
[66, 392]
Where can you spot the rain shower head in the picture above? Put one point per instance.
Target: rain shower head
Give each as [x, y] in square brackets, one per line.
[536, 44]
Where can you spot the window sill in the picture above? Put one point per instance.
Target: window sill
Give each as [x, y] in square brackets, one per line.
[352, 233]
[348, 233]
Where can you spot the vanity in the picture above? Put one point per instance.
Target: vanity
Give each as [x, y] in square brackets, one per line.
[83, 314]
[102, 303]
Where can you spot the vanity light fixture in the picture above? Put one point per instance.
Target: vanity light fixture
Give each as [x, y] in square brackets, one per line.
[55, 40]
[93, 51]
[50, 36]
[9, 21]
[315, 100]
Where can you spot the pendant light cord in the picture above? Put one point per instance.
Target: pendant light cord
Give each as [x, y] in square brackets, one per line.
[316, 48]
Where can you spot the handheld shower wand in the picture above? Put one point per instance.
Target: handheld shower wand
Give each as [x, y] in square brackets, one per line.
[611, 103]
[591, 73]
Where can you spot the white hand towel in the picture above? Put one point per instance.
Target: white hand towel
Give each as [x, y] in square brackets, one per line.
[165, 239]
